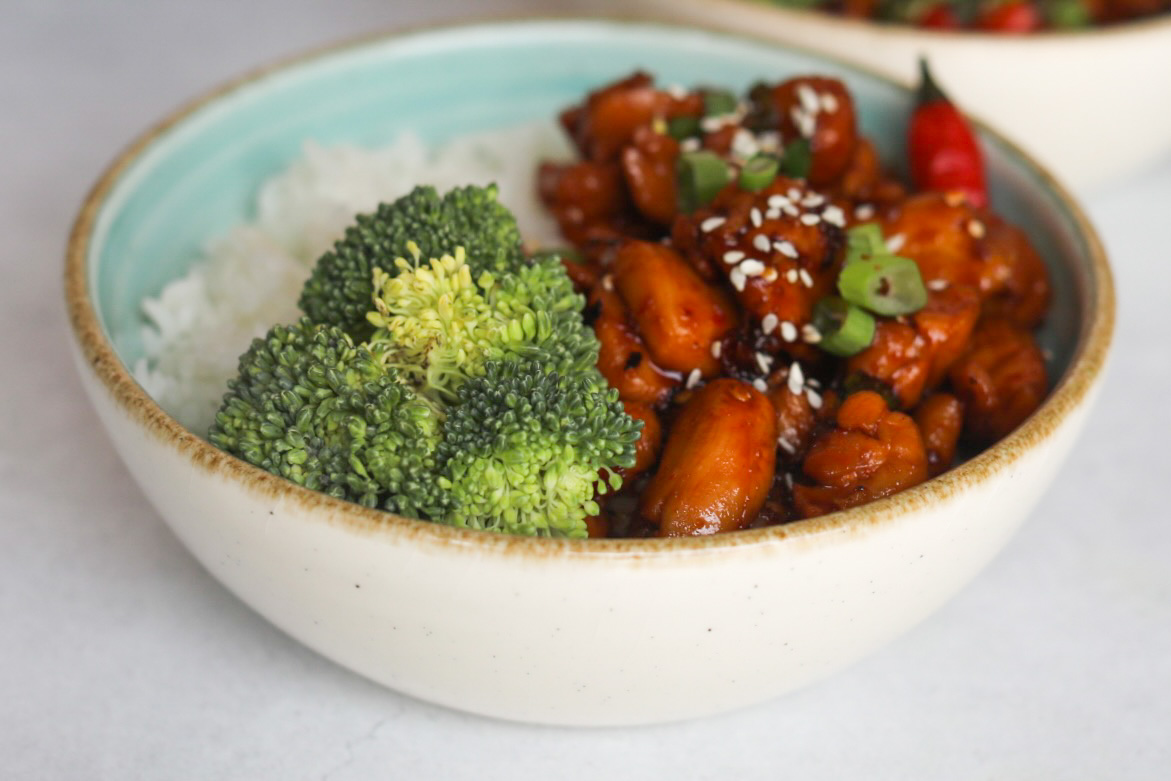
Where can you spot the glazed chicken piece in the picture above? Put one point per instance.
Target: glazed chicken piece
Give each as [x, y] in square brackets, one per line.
[941, 420]
[955, 243]
[648, 168]
[586, 198]
[870, 453]
[623, 359]
[610, 116]
[1000, 379]
[650, 441]
[779, 248]
[718, 463]
[679, 316]
[913, 354]
[796, 419]
[822, 111]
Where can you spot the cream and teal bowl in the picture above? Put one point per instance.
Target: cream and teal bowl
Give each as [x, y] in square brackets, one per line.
[583, 632]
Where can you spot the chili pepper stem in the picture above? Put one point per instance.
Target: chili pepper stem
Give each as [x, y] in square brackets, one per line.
[929, 91]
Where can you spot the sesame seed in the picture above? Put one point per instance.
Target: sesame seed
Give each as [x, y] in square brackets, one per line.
[717, 348]
[954, 198]
[768, 323]
[769, 140]
[711, 223]
[789, 480]
[787, 446]
[788, 331]
[733, 256]
[791, 276]
[772, 214]
[764, 361]
[777, 201]
[754, 215]
[864, 212]
[770, 274]
[808, 97]
[829, 103]
[895, 242]
[834, 216]
[712, 124]
[786, 248]
[796, 378]
[812, 200]
[751, 268]
[810, 334]
[693, 379]
[744, 143]
[810, 219]
[806, 278]
[736, 277]
[811, 382]
[761, 242]
[807, 125]
[794, 194]
[976, 229]
[607, 283]
[814, 398]
[760, 385]
[937, 284]
[690, 145]
[791, 210]
[676, 91]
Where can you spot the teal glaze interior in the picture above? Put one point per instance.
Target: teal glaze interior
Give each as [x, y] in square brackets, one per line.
[197, 179]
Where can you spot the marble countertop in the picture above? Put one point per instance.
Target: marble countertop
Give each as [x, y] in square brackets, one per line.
[120, 658]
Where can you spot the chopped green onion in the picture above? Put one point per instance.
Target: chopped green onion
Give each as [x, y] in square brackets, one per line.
[886, 285]
[700, 176]
[798, 159]
[759, 172]
[718, 102]
[864, 241]
[845, 329]
[680, 128]
[1067, 13]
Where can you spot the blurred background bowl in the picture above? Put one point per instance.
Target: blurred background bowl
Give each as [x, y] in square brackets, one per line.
[551, 631]
[1092, 104]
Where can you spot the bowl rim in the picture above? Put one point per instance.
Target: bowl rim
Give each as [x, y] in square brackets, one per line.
[894, 30]
[1086, 364]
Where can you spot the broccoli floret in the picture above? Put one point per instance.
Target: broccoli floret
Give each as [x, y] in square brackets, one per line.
[439, 323]
[339, 289]
[313, 407]
[525, 449]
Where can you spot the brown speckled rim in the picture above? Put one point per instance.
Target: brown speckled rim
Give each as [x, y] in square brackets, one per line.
[1147, 25]
[1071, 392]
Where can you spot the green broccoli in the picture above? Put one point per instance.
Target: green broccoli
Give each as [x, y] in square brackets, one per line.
[339, 289]
[525, 449]
[313, 407]
[439, 326]
[439, 375]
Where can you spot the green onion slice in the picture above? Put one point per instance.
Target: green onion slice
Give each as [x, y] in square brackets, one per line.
[681, 128]
[718, 102]
[886, 285]
[1067, 14]
[845, 329]
[798, 159]
[759, 172]
[700, 176]
[864, 241]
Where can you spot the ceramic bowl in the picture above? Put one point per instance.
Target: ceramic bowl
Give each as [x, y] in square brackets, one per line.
[565, 632]
[1085, 103]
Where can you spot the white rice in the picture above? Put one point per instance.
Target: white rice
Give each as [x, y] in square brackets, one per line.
[250, 279]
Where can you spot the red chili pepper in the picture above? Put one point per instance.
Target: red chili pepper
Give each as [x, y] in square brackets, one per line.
[940, 17]
[1018, 16]
[944, 152]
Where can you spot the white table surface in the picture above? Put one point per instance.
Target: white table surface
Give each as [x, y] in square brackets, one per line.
[121, 659]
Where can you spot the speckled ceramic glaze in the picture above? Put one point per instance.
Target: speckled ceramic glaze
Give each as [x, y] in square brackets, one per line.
[565, 632]
[1089, 104]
